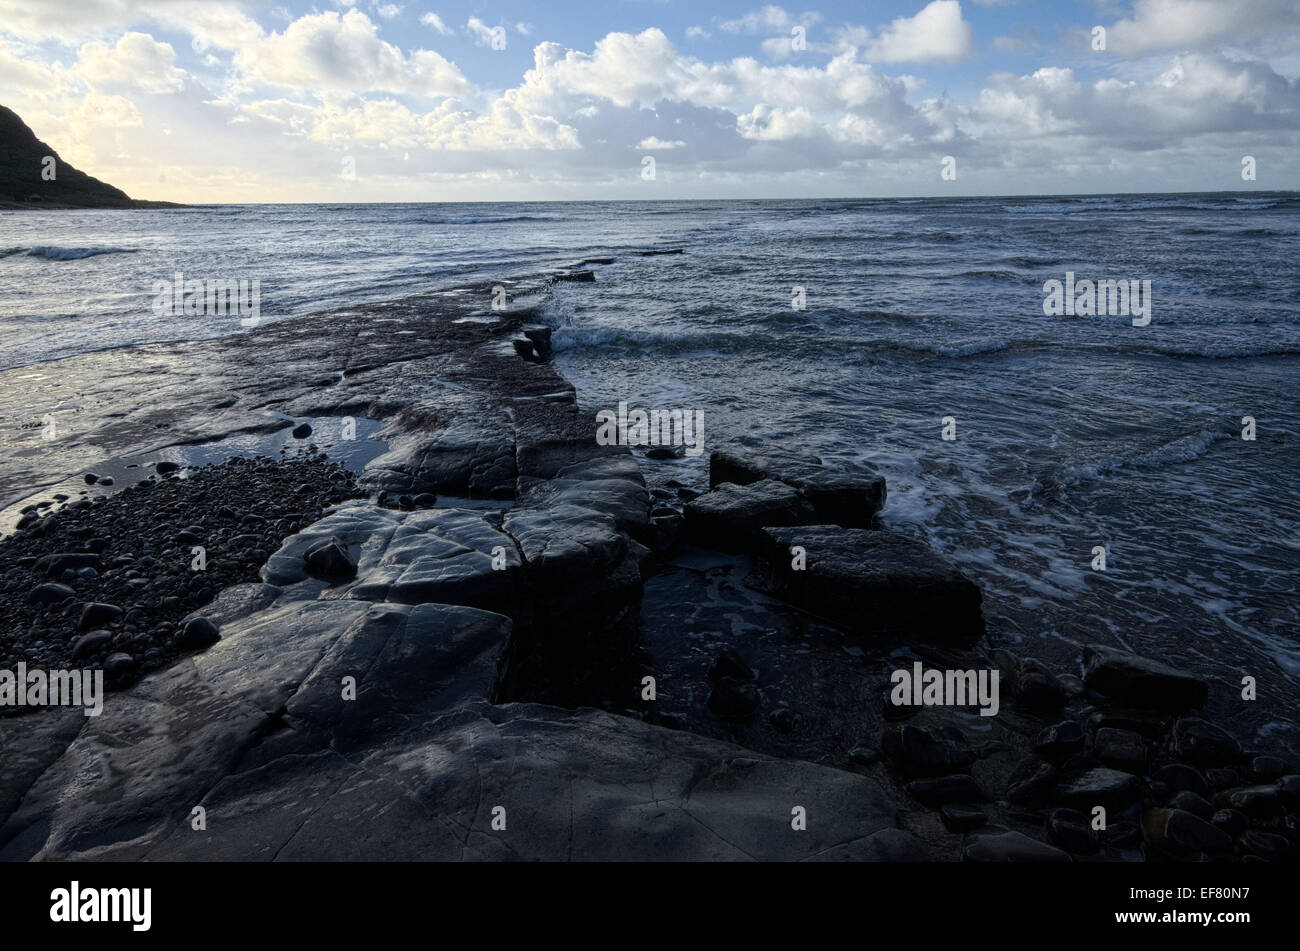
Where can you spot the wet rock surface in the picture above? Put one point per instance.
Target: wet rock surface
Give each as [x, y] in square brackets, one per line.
[872, 582]
[495, 641]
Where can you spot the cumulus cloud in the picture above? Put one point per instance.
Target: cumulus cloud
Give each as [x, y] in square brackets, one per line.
[1199, 94]
[937, 34]
[1162, 25]
[326, 51]
[448, 127]
[326, 84]
[136, 62]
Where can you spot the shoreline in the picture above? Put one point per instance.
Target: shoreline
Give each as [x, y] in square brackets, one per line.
[486, 631]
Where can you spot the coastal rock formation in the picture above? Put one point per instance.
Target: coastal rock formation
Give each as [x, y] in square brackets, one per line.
[465, 676]
[850, 498]
[874, 582]
[731, 517]
[261, 733]
[26, 164]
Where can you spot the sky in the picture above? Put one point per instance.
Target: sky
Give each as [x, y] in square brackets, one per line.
[381, 100]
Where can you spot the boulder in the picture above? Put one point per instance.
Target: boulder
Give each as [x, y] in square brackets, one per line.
[1201, 743]
[1121, 749]
[50, 593]
[328, 559]
[873, 583]
[198, 632]
[1057, 742]
[1177, 833]
[849, 498]
[1180, 776]
[919, 752]
[731, 517]
[55, 564]
[97, 614]
[1140, 682]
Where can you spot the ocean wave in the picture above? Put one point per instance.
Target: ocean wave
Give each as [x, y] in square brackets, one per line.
[63, 254]
[994, 275]
[1186, 448]
[638, 341]
[966, 348]
[484, 219]
[1026, 261]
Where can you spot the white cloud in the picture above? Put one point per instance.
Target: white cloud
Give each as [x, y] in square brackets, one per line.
[327, 84]
[937, 34]
[388, 11]
[767, 19]
[482, 33]
[329, 52]
[697, 33]
[435, 21]
[1159, 25]
[654, 142]
[136, 62]
[390, 124]
[1199, 94]
[220, 22]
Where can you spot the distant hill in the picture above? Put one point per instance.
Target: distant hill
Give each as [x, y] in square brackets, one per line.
[22, 159]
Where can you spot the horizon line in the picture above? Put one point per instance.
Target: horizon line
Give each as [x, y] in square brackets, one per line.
[576, 201]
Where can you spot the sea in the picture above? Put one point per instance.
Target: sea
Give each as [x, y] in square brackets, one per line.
[914, 336]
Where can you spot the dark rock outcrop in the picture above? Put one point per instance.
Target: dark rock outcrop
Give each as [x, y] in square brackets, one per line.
[1140, 682]
[731, 517]
[873, 582]
[849, 498]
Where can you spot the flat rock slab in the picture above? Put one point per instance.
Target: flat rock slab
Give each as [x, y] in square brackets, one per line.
[610, 484]
[848, 497]
[569, 785]
[447, 556]
[463, 445]
[274, 686]
[731, 517]
[1141, 682]
[873, 582]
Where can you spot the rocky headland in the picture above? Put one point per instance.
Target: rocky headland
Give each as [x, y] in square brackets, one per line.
[435, 619]
[33, 175]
